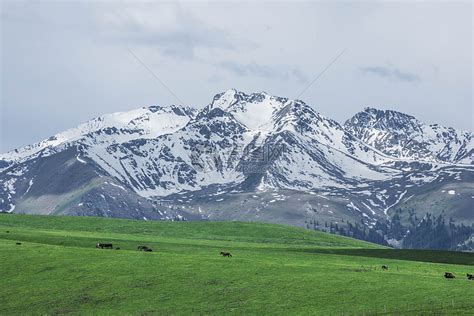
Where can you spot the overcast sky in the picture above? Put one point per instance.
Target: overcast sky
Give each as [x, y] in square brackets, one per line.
[65, 62]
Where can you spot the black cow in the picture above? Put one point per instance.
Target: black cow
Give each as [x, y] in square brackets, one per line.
[449, 275]
[225, 254]
[18, 243]
[470, 277]
[144, 248]
[384, 267]
[104, 246]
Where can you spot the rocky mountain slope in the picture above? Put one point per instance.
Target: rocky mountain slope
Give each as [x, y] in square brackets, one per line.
[248, 157]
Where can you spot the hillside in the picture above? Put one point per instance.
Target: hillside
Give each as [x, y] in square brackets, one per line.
[274, 269]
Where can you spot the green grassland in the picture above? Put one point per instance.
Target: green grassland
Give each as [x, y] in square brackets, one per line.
[274, 270]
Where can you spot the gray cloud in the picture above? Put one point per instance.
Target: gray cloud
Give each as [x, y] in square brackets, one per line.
[299, 75]
[391, 73]
[264, 71]
[64, 62]
[405, 76]
[181, 43]
[176, 33]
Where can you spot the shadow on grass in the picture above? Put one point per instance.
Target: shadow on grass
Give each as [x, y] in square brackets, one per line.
[436, 256]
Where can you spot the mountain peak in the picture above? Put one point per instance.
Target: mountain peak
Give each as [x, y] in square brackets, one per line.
[403, 136]
[389, 114]
[225, 100]
[386, 120]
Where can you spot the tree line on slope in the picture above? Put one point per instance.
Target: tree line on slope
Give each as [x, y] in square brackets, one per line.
[430, 232]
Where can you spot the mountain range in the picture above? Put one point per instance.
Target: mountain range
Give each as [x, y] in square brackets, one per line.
[382, 175]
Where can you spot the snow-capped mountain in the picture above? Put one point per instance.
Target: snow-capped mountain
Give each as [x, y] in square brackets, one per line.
[403, 136]
[78, 156]
[244, 156]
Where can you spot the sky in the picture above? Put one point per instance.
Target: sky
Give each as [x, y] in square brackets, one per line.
[65, 62]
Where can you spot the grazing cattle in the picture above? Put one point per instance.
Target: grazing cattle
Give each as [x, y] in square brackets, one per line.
[118, 248]
[384, 267]
[470, 277]
[104, 246]
[225, 254]
[449, 275]
[144, 248]
[18, 243]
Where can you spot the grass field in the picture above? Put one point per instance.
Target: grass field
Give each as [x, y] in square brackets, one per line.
[274, 270]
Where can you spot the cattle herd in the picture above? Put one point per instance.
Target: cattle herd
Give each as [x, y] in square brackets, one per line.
[100, 245]
[449, 275]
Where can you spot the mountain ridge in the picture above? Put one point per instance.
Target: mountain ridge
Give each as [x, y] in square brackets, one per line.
[244, 156]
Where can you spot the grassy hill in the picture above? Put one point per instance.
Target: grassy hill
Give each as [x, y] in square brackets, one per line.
[274, 270]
